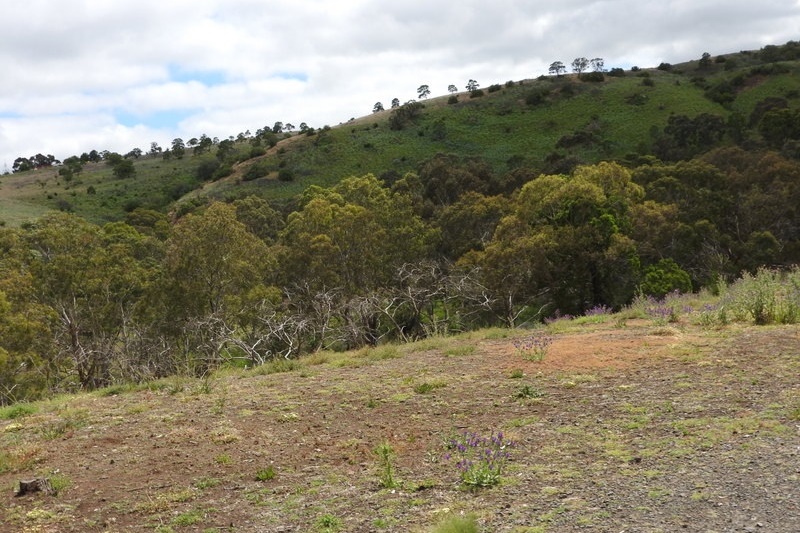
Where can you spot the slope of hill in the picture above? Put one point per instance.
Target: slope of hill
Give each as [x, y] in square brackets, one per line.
[547, 124]
[625, 425]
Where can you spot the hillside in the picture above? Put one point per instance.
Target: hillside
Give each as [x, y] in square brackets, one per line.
[626, 424]
[548, 124]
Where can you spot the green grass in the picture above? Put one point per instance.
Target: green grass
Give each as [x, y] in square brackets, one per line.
[17, 410]
[456, 524]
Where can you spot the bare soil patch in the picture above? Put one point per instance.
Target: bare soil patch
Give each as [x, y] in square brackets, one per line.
[632, 428]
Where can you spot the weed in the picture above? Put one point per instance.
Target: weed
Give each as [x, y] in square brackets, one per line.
[479, 460]
[528, 391]
[206, 483]
[266, 474]
[427, 386]
[516, 374]
[223, 459]
[188, 518]
[533, 347]
[386, 455]
[328, 523]
[59, 482]
[456, 524]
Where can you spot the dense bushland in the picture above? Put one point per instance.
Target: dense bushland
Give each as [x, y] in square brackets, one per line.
[450, 248]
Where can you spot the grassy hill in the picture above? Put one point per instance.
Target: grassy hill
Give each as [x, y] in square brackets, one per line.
[530, 123]
[625, 423]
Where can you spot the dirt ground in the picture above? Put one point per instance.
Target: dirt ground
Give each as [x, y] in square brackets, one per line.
[637, 428]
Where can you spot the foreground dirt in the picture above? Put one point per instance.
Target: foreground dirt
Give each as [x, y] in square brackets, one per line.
[636, 428]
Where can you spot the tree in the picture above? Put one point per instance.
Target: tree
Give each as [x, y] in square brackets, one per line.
[452, 89]
[225, 148]
[124, 168]
[598, 65]
[178, 148]
[136, 153]
[395, 102]
[472, 85]
[303, 127]
[277, 127]
[155, 149]
[90, 279]
[211, 257]
[377, 108]
[353, 237]
[288, 127]
[579, 64]
[423, 91]
[557, 68]
[705, 61]
[22, 164]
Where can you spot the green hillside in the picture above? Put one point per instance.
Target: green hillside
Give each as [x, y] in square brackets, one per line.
[549, 124]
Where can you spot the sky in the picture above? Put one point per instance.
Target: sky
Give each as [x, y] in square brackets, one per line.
[120, 74]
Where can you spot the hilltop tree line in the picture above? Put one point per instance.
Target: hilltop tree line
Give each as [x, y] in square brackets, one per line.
[450, 247]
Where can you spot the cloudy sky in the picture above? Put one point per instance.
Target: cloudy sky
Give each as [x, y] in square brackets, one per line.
[118, 74]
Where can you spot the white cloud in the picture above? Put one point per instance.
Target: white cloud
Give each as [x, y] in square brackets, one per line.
[76, 71]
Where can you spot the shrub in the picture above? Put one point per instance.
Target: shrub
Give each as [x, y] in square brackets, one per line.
[537, 96]
[286, 175]
[665, 277]
[477, 93]
[453, 99]
[616, 72]
[593, 77]
[666, 67]
[766, 297]
[494, 88]
[256, 151]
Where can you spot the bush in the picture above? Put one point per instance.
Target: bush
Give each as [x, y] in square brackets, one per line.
[494, 88]
[666, 67]
[537, 96]
[616, 72]
[453, 99]
[258, 170]
[477, 93]
[665, 277]
[206, 169]
[768, 297]
[257, 151]
[286, 175]
[593, 77]
[222, 171]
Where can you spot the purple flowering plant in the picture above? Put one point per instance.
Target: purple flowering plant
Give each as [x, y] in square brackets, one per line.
[479, 460]
[533, 347]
